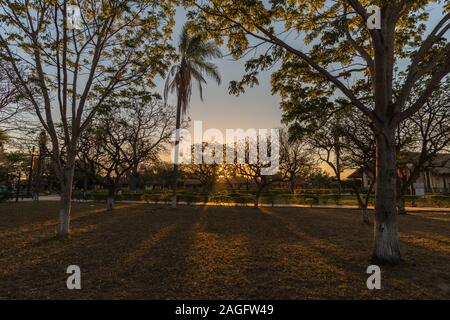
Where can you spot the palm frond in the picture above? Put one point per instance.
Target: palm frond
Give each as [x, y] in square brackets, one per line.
[195, 54]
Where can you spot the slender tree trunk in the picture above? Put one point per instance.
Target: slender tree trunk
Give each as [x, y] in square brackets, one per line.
[257, 196]
[110, 199]
[134, 179]
[18, 187]
[37, 179]
[85, 186]
[66, 203]
[362, 204]
[386, 247]
[365, 215]
[292, 185]
[30, 175]
[365, 204]
[176, 158]
[401, 210]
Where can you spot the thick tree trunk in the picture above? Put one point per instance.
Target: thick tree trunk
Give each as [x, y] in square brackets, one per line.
[66, 203]
[386, 247]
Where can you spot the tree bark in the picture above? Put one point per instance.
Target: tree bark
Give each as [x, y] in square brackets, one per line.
[66, 203]
[386, 247]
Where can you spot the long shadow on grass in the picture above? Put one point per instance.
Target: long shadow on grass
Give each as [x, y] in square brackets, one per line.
[244, 253]
[350, 246]
[155, 268]
[109, 257]
[21, 228]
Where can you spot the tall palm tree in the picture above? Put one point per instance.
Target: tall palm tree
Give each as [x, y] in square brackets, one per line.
[193, 64]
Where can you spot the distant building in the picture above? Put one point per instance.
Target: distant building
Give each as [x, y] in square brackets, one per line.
[434, 179]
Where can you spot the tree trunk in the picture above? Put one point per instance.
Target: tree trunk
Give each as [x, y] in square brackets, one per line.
[292, 185]
[401, 210]
[37, 179]
[66, 203]
[110, 199]
[176, 151]
[257, 196]
[365, 215]
[18, 187]
[401, 206]
[386, 247]
[134, 179]
[110, 203]
[85, 186]
[30, 175]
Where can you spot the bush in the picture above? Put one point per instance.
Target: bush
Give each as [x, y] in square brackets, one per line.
[5, 193]
[156, 197]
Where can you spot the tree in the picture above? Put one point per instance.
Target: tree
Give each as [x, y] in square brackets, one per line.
[296, 160]
[206, 173]
[134, 129]
[428, 134]
[42, 153]
[327, 140]
[74, 68]
[8, 95]
[254, 170]
[342, 139]
[194, 55]
[359, 152]
[342, 52]
[17, 162]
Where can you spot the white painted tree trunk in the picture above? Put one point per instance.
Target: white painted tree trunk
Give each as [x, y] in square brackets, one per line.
[110, 203]
[386, 247]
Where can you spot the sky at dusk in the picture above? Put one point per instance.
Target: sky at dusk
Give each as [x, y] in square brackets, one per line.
[256, 108]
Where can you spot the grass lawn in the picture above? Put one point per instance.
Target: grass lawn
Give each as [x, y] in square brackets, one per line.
[142, 251]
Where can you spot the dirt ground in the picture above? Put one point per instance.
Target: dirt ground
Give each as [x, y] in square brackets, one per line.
[144, 251]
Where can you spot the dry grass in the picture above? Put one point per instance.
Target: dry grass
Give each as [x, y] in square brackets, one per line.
[154, 252]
